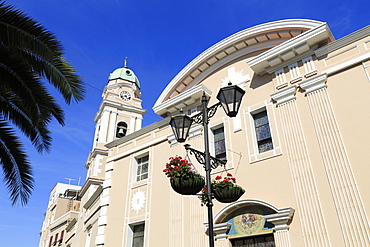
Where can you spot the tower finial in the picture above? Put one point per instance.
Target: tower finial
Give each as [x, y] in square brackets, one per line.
[125, 62]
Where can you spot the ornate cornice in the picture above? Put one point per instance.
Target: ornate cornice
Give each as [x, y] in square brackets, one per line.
[313, 84]
[343, 41]
[281, 31]
[288, 50]
[182, 100]
[285, 95]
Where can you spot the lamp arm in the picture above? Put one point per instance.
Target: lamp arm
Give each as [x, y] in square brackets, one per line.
[211, 111]
[201, 157]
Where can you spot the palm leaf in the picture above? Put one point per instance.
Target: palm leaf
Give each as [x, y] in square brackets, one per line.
[30, 55]
[16, 168]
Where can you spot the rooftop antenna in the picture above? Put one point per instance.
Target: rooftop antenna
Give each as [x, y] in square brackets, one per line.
[69, 180]
[125, 62]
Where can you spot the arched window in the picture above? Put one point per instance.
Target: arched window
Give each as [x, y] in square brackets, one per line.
[121, 129]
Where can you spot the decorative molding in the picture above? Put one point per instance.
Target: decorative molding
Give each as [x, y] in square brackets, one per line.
[280, 79]
[229, 208]
[280, 219]
[294, 46]
[297, 58]
[220, 230]
[343, 41]
[71, 224]
[93, 198]
[236, 78]
[338, 169]
[121, 142]
[120, 106]
[285, 95]
[64, 222]
[138, 148]
[182, 100]
[311, 73]
[314, 84]
[280, 86]
[237, 41]
[138, 201]
[306, 194]
[295, 73]
[347, 64]
[88, 183]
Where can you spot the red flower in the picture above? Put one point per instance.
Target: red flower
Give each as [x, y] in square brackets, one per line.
[229, 174]
[226, 181]
[218, 177]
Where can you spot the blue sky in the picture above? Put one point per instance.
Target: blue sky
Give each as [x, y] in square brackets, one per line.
[160, 38]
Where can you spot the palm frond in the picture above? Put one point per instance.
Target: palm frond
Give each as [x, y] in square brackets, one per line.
[16, 168]
[30, 56]
[19, 30]
[60, 74]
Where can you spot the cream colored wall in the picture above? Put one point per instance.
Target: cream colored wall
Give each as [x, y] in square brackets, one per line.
[296, 174]
[168, 214]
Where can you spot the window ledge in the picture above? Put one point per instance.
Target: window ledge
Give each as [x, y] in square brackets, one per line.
[265, 155]
[139, 184]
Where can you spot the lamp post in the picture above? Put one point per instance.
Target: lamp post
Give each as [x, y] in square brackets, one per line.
[230, 99]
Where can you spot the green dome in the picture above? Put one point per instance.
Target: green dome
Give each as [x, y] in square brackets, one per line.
[125, 74]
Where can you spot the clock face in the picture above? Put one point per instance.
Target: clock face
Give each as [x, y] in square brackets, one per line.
[125, 96]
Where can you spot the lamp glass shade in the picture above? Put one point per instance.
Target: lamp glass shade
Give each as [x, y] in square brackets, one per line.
[181, 126]
[230, 98]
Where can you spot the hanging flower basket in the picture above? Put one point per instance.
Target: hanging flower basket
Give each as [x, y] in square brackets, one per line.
[228, 194]
[184, 180]
[225, 190]
[189, 185]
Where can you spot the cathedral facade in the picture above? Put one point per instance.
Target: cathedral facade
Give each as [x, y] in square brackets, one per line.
[298, 146]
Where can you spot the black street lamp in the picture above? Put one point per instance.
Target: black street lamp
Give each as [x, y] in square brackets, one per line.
[230, 99]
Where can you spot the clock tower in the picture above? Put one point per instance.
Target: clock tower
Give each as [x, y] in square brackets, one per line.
[120, 113]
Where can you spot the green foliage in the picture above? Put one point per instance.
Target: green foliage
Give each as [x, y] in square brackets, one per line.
[30, 55]
[225, 186]
[178, 167]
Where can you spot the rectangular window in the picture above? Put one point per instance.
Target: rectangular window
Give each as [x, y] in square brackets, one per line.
[142, 168]
[138, 235]
[263, 133]
[219, 143]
